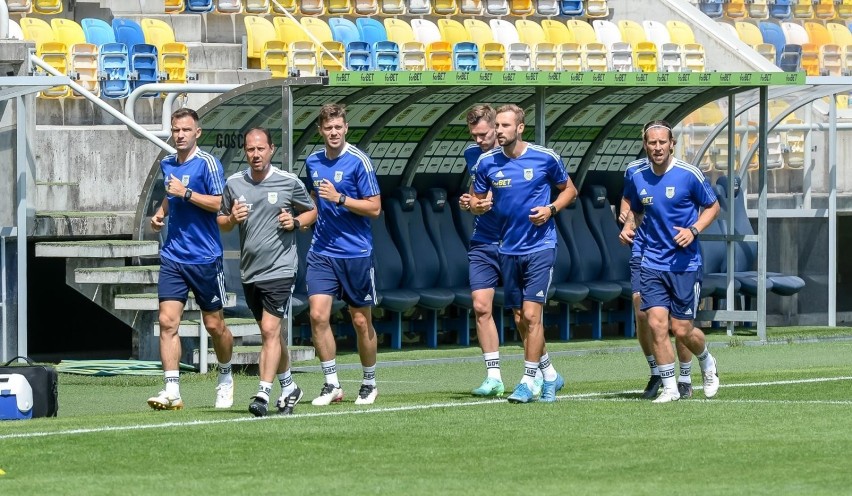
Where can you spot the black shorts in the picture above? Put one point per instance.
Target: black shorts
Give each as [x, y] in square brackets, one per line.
[272, 296]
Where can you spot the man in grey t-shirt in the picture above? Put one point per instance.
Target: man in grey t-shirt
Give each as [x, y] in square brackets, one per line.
[268, 205]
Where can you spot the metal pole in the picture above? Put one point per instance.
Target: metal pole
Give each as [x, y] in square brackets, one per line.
[761, 212]
[287, 162]
[809, 165]
[730, 299]
[540, 95]
[23, 164]
[832, 212]
[172, 90]
[4, 301]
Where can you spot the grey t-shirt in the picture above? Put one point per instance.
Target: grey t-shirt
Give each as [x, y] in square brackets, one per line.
[268, 252]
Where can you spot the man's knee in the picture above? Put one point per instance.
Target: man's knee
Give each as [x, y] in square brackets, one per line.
[361, 320]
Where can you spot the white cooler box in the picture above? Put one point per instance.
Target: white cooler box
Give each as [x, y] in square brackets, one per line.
[16, 397]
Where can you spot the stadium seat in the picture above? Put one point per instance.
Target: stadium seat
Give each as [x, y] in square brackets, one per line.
[334, 56]
[53, 52]
[735, 9]
[317, 7]
[597, 9]
[830, 55]
[173, 6]
[421, 266]
[19, 6]
[574, 8]
[570, 54]
[844, 9]
[419, 7]
[544, 53]
[581, 246]
[803, 9]
[758, 9]
[229, 6]
[263, 48]
[114, 64]
[607, 32]
[774, 35]
[582, 31]
[497, 7]
[671, 55]
[200, 5]
[97, 31]
[518, 56]
[631, 32]
[257, 7]
[47, 7]
[283, 7]
[385, 52]
[392, 7]
[173, 57]
[810, 62]
[453, 31]
[620, 52]
[82, 56]
[824, 10]
[366, 7]
[645, 57]
[521, 7]
[492, 54]
[445, 7]
[713, 253]
[412, 53]
[712, 8]
[439, 53]
[547, 7]
[565, 292]
[471, 7]
[781, 9]
[359, 56]
[144, 65]
[301, 49]
[465, 51]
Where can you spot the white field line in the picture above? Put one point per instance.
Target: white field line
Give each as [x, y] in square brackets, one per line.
[599, 396]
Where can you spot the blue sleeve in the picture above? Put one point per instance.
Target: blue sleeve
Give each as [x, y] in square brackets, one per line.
[556, 170]
[366, 181]
[471, 156]
[703, 192]
[480, 178]
[214, 179]
[632, 197]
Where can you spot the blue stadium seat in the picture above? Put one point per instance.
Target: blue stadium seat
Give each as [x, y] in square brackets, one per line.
[615, 257]
[114, 64]
[358, 52]
[791, 58]
[466, 56]
[199, 5]
[714, 284]
[711, 8]
[781, 9]
[571, 7]
[143, 57]
[385, 53]
[463, 220]
[451, 252]
[746, 253]
[391, 296]
[773, 34]
[565, 292]
[421, 266]
[97, 31]
[571, 223]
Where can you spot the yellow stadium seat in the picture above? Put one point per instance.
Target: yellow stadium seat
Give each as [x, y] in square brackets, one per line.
[597, 9]
[632, 32]
[595, 57]
[19, 6]
[445, 7]
[275, 59]
[332, 54]
[735, 9]
[569, 52]
[392, 7]
[758, 9]
[824, 10]
[844, 9]
[47, 7]
[818, 33]
[173, 6]
[749, 33]
[366, 7]
[694, 57]
[583, 32]
[521, 7]
[492, 55]
[453, 31]
[681, 33]
[557, 32]
[412, 53]
[256, 7]
[173, 56]
[82, 56]
[229, 6]
[281, 7]
[810, 59]
[544, 52]
[841, 36]
[803, 9]
[259, 31]
[316, 7]
[53, 52]
[301, 50]
[645, 56]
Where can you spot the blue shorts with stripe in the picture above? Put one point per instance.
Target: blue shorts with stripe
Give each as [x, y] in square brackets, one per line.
[206, 281]
[484, 266]
[349, 279]
[527, 277]
[635, 282]
[677, 291]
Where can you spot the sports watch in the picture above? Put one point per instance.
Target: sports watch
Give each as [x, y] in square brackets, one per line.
[341, 200]
[694, 230]
[552, 208]
[187, 195]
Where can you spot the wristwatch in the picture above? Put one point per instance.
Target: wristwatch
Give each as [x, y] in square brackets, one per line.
[296, 224]
[341, 200]
[187, 195]
[694, 231]
[552, 208]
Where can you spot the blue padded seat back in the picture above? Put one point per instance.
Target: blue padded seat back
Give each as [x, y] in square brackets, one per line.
[772, 33]
[615, 257]
[713, 252]
[344, 31]
[562, 264]
[303, 245]
[746, 252]
[405, 223]
[386, 260]
[581, 245]
[451, 252]
[128, 32]
[372, 31]
[463, 221]
[97, 31]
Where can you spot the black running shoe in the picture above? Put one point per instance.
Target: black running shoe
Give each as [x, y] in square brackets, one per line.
[286, 404]
[258, 406]
[685, 390]
[653, 387]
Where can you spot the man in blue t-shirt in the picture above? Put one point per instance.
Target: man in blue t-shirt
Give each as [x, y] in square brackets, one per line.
[666, 196]
[191, 258]
[520, 176]
[340, 263]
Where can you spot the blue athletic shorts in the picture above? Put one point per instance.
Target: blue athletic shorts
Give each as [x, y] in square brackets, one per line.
[677, 291]
[484, 266]
[349, 279]
[271, 296]
[206, 281]
[635, 282]
[527, 277]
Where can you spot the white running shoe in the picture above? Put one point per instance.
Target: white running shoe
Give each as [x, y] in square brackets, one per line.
[225, 395]
[328, 395]
[711, 383]
[667, 396]
[367, 395]
[165, 401]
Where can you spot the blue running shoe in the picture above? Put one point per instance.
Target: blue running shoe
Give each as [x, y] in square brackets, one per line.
[549, 389]
[521, 394]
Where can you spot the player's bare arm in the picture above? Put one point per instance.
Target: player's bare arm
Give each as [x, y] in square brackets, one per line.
[158, 220]
[370, 206]
[210, 203]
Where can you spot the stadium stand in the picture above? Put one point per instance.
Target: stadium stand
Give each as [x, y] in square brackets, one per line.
[51, 50]
[82, 56]
[173, 57]
[263, 49]
[359, 54]
[144, 63]
[385, 52]
[412, 53]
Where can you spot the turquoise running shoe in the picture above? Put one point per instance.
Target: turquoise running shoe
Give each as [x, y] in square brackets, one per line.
[490, 387]
[521, 394]
[536, 388]
[549, 389]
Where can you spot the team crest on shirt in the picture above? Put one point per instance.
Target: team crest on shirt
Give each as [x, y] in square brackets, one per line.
[272, 197]
[185, 180]
[528, 174]
[338, 175]
[670, 191]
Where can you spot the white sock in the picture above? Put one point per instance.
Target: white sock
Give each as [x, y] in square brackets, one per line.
[685, 373]
[369, 375]
[225, 373]
[667, 373]
[172, 378]
[530, 369]
[652, 362]
[285, 379]
[329, 369]
[706, 360]
[263, 390]
[538, 375]
[546, 368]
[492, 365]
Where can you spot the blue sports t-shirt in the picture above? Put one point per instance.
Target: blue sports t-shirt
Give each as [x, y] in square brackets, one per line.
[339, 232]
[486, 227]
[636, 247]
[193, 234]
[672, 199]
[518, 185]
